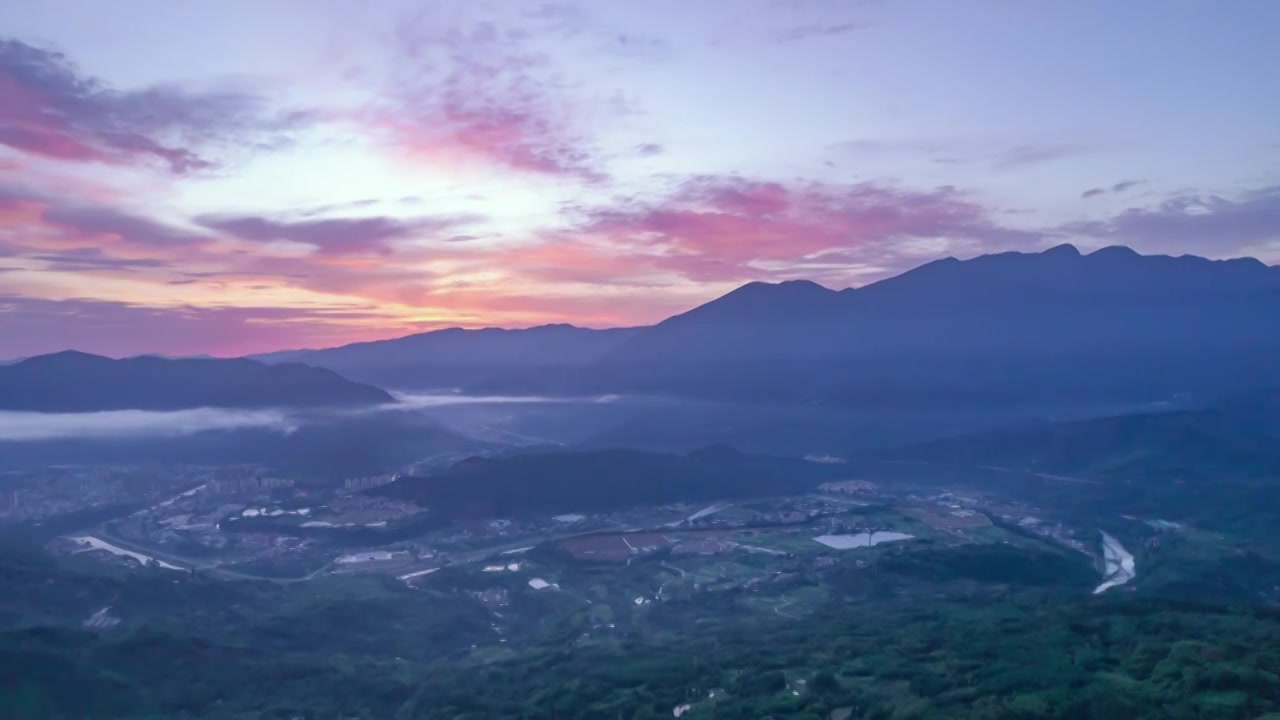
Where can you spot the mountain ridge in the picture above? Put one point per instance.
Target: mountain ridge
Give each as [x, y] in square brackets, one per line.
[454, 331]
[74, 381]
[455, 357]
[1055, 322]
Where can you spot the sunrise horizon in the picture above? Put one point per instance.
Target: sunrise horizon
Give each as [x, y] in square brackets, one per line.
[290, 178]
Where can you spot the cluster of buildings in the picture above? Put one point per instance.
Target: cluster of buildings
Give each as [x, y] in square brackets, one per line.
[245, 479]
[850, 487]
[45, 492]
[367, 482]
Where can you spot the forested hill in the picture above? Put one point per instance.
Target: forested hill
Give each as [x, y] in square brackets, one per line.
[1215, 467]
[1239, 436]
[563, 481]
[79, 382]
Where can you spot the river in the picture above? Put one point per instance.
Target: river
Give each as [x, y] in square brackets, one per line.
[97, 544]
[1120, 565]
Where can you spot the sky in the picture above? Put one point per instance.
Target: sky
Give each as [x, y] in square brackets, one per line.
[235, 177]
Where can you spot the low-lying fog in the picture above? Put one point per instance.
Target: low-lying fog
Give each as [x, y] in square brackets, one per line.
[29, 426]
[16, 426]
[650, 422]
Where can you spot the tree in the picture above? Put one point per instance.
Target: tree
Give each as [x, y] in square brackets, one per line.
[824, 683]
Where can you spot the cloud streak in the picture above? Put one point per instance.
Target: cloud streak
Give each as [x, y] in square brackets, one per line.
[806, 32]
[336, 236]
[33, 326]
[1113, 190]
[123, 227]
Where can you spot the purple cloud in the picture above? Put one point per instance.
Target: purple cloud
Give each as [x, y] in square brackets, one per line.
[82, 259]
[1193, 222]
[1034, 154]
[1117, 188]
[805, 32]
[31, 326]
[131, 229]
[48, 108]
[957, 151]
[338, 236]
[730, 228]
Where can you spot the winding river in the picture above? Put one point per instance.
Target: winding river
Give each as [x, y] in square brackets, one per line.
[1120, 566]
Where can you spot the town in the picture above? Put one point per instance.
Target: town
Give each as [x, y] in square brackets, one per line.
[251, 523]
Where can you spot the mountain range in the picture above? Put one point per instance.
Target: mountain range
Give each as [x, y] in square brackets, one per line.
[1004, 330]
[1111, 325]
[79, 382]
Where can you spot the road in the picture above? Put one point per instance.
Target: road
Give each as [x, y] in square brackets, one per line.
[201, 565]
[213, 569]
[778, 608]
[997, 468]
[1044, 476]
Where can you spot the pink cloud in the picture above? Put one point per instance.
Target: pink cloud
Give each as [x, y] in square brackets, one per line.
[33, 326]
[724, 228]
[475, 94]
[482, 307]
[649, 255]
[360, 256]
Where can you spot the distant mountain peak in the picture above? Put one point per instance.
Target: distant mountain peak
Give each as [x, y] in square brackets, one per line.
[758, 298]
[65, 355]
[62, 359]
[785, 287]
[1063, 250]
[1115, 251]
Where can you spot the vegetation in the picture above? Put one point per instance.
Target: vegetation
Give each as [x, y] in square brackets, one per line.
[1210, 468]
[1025, 656]
[995, 622]
[562, 481]
[970, 631]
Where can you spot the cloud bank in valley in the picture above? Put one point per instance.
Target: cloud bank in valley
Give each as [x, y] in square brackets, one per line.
[18, 426]
[120, 424]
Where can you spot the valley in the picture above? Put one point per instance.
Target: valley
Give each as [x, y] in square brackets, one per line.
[472, 600]
[613, 533]
[604, 360]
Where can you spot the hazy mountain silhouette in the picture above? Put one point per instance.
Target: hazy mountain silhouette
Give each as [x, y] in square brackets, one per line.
[459, 357]
[79, 382]
[1211, 467]
[1111, 325]
[1240, 435]
[1054, 323]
